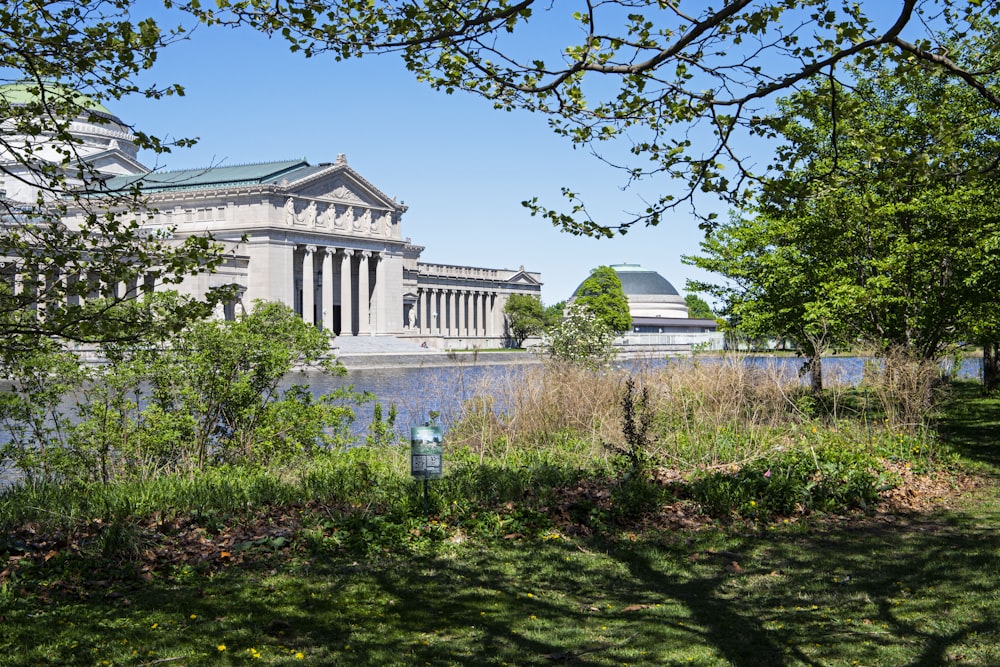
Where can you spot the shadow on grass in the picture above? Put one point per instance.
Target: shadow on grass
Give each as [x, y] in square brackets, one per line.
[915, 591]
[972, 426]
[906, 592]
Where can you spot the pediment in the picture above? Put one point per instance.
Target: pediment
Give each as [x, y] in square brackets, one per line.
[523, 278]
[115, 163]
[339, 184]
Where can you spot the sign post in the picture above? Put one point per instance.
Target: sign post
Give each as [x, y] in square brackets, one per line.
[426, 454]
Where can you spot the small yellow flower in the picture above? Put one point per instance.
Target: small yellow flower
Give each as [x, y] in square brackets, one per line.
[300, 656]
[221, 647]
[154, 626]
[194, 616]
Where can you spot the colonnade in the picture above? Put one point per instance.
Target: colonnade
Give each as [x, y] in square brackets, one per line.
[341, 296]
[457, 312]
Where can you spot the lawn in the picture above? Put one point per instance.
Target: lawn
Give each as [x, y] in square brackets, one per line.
[287, 587]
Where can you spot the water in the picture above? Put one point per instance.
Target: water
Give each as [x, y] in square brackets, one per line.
[415, 391]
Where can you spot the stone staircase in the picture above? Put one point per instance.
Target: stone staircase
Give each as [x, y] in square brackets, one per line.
[364, 345]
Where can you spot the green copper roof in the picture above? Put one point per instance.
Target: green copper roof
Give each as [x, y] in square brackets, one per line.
[218, 177]
[25, 92]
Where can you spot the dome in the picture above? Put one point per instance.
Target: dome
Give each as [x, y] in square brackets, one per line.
[649, 294]
[24, 92]
[99, 139]
[637, 280]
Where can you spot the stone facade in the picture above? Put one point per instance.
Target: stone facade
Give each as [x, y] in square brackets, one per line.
[319, 238]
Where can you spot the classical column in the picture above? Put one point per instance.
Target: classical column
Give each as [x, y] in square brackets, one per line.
[458, 312]
[489, 319]
[380, 318]
[477, 321]
[427, 319]
[346, 314]
[308, 286]
[364, 301]
[418, 310]
[327, 304]
[469, 314]
[481, 313]
[446, 312]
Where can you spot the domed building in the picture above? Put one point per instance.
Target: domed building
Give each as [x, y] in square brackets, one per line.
[319, 238]
[104, 145]
[660, 318]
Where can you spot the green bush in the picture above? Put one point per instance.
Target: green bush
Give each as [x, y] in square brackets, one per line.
[209, 397]
[829, 479]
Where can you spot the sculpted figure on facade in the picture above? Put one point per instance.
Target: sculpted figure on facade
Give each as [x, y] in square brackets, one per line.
[340, 216]
[376, 221]
[325, 217]
[309, 215]
[356, 222]
[289, 211]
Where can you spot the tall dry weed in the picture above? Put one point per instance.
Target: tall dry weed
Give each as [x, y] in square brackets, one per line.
[906, 389]
[702, 410]
[723, 409]
[552, 404]
[705, 411]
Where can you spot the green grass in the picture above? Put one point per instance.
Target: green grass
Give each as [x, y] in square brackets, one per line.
[292, 588]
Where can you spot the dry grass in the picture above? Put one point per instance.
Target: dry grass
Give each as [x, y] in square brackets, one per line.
[705, 412]
[906, 389]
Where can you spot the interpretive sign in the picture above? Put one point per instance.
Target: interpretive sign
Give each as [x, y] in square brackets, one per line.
[425, 452]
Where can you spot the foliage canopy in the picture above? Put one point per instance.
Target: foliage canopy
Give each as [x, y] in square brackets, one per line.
[897, 173]
[525, 317]
[59, 62]
[601, 294]
[677, 82]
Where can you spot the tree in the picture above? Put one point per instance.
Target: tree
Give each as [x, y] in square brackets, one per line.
[900, 181]
[601, 294]
[581, 338]
[554, 313]
[62, 60]
[774, 285]
[698, 308]
[525, 317]
[677, 81]
[217, 395]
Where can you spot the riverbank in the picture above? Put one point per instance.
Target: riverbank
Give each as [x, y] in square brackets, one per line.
[435, 359]
[514, 566]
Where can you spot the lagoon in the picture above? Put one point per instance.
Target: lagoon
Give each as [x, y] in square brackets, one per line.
[416, 390]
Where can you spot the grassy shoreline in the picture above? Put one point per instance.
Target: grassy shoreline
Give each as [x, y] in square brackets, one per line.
[227, 577]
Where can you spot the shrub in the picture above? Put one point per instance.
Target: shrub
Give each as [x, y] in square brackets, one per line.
[213, 396]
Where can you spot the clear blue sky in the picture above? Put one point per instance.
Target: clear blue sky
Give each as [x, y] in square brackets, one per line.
[461, 167]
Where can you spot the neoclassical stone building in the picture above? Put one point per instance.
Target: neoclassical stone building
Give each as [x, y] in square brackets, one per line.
[320, 238]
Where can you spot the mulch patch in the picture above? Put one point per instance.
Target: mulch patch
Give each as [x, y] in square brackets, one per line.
[163, 543]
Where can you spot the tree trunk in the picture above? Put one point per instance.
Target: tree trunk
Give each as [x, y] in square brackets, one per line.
[816, 375]
[991, 366]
